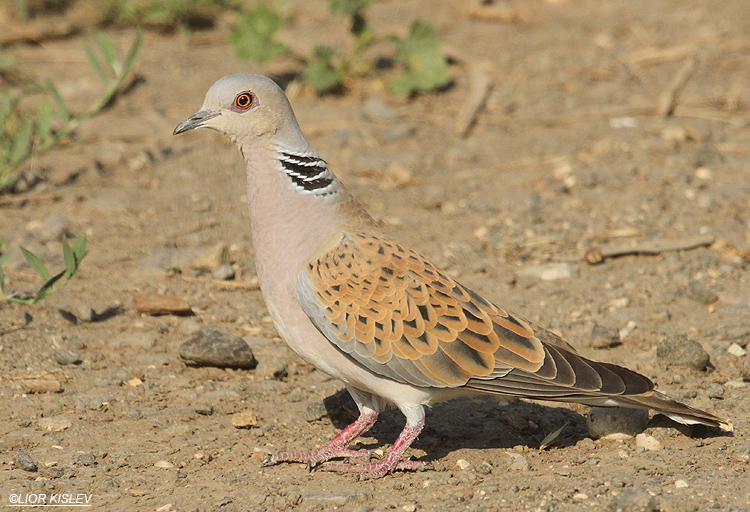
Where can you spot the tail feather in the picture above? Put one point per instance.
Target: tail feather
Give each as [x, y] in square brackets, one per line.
[675, 410]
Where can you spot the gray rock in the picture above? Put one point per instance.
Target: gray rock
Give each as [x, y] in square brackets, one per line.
[212, 346]
[602, 337]
[87, 459]
[204, 409]
[76, 343]
[272, 368]
[223, 272]
[699, 293]
[65, 357]
[520, 463]
[376, 109]
[633, 500]
[24, 461]
[715, 390]
[85, 313]
[678, 350]
[315, 411]
[54, 227]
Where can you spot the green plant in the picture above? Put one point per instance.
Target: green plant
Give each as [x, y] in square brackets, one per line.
[22, 135]
[253, 36]
[164, 14]
[72, 255]
[425, 67]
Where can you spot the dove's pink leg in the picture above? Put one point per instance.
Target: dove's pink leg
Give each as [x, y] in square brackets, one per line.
[392, 460]
[336, 447]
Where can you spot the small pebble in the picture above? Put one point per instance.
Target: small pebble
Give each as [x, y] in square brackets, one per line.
[24, 461]
[678, 350]
[212, 346]
[86, 459]
[272, 368]
[315, 411]
[66, 357]
[681, 484]
[716, 391]
[462, 463]
[244, 419]
[223, 272]
[520, 464]
[204, 409]
[55, 423]
[746, 367]
[85, 314]
[40, 385]
[602, 337]
[154, 304]
[647, 442]
[633, 500]
[76, 343]
[163, 464]
[616, 422]
[736, 350]
[699, 293]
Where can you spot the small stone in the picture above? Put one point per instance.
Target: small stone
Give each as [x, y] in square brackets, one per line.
[163, 464]
[40, 385]
[55, 423]
[715, 390]
[616, 422]
[485, 468]
[409, 507]
[189, 326]
[272, 368]
[462, 463]
[602, 337]
[244, 419]
[135, 382]
[580, 496]
[204, 409]
[699, 293]
[54, 228]
[633, 500]
[647, 442]
[76, 343]
[85, 314]
[548, 272]
[154, 304]
[376, 109]
[211, 258]
[212, 346]
[396, 176]
[65, 357]
[736, 350]
[87, 459]
[315, 411]
[24, 461]
[223, 272]
[681, 484]
[520, 463]
[678, 350]
[586, 444]
[746, 367]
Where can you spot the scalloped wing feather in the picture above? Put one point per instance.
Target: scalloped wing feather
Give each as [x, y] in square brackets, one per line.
[397, 314]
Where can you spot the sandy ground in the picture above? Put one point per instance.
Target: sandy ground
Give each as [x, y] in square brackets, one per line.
[571, 152]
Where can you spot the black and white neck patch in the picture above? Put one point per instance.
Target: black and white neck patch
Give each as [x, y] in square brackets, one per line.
[308, 173]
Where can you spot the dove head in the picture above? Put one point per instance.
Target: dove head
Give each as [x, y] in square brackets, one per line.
[245, 108]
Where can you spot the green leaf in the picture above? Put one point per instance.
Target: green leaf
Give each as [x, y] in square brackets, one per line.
[35, 263]
[95, 63]
[133, 53]
[46, 288]
[79, 249]
[62, 110]
[70, 259]
[253, 36]
[426, 68]
[106, 49]
[44, 119]
[21, 143]
[321, 73]
[349, 7]
[3, 258]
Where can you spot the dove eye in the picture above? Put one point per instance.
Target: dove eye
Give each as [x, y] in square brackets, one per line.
[244, 101]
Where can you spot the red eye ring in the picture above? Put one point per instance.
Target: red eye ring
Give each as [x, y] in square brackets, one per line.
[244, 100]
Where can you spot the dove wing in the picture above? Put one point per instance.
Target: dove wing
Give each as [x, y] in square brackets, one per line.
[397, 314]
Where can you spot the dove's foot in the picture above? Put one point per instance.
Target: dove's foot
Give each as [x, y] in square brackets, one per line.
[392, 461]
[335, 448]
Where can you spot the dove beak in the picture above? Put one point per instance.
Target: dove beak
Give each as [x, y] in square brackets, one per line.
[195, 121]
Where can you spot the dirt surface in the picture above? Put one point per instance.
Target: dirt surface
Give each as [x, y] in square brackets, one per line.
[572, 151]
